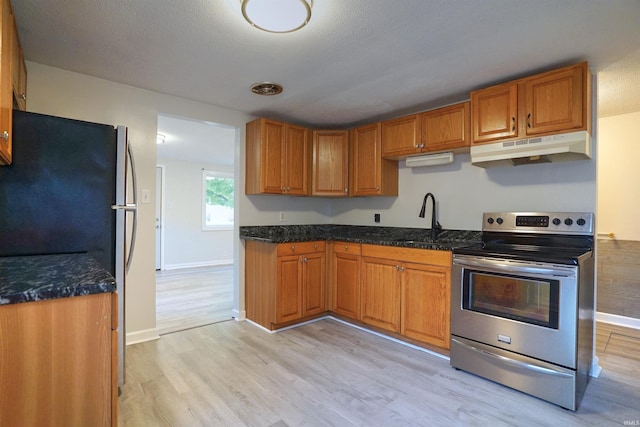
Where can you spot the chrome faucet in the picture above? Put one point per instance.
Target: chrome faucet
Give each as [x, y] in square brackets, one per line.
[435, 225]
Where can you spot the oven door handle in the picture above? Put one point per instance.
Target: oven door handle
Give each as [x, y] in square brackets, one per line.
[515, 363]
[486, 263]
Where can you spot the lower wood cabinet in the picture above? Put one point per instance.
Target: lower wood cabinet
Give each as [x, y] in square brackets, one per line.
[57, 364]
[401, 290]
[407, 291]
[345, 279]
[284, 282]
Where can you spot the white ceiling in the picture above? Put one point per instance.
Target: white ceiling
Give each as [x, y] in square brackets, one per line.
[357, 60]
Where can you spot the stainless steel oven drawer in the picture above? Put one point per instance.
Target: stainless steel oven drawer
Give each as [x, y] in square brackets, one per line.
[544, 380]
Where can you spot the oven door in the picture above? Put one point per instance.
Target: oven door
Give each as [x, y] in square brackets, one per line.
[525, 307]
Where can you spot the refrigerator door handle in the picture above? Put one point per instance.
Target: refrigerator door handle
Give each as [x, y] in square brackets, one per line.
[132, 207]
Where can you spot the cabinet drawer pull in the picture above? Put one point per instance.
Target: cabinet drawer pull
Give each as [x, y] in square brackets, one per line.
[5, 135]
[529, 120]
[513, 124]
[23, 96]
[346, 248]
[293, 248]
[315, 246]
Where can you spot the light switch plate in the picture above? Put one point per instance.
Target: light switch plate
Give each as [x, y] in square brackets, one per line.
[146, 196]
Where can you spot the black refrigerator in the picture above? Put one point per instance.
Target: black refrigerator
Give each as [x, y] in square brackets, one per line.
[71, 189]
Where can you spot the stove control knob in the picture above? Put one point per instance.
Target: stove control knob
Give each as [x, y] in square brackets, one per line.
[556, 221]
[581, 222]
[568, 221]
[490, 220]
[499, 220]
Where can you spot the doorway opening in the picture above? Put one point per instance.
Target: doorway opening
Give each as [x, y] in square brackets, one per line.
[195, 229]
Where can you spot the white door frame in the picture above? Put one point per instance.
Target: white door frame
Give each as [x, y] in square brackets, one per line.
[160, 210]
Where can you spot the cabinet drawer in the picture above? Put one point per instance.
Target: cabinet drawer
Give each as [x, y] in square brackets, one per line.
[347, 248]
[420, 256]
[300, 248]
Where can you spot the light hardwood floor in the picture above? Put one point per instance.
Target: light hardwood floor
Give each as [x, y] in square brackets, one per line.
[191, 297]
[328, 373]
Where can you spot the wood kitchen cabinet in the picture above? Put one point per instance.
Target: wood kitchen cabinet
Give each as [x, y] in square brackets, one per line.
[59, 362]
[277, 158]
[547, 103]
[442, 129]
[407, 291]
[330, 163]
[371, 175]
[284, 282]
[345, 279]
[6, 91]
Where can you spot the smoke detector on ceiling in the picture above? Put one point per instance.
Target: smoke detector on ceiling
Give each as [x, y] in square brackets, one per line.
[266, 88]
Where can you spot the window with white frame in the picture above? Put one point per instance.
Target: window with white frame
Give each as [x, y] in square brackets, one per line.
[217, 200]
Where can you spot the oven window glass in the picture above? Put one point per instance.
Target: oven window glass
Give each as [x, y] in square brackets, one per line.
[525, 299]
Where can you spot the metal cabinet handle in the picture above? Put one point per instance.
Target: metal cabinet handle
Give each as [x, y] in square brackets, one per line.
[23, 96]
[416, 146]
[306, 259]
[346, 248]
[5, 135]
[293, 248]
[346, 190]
[529, 120]
[513, 124]
[402, 269]
[315, 246]
[377, 188]
[397, 267]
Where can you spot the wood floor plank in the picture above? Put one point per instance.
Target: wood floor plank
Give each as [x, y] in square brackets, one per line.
[192, 297]
[329, 374]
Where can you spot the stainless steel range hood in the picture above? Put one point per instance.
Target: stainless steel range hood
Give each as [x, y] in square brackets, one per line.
[543, 149]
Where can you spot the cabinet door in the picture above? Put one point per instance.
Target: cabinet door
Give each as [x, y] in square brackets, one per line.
[446, 128]
[6, 92]
[380, 296]
[556, 101]
[346, 280]
[313, 279]
[330, 163]
[55, 362]
[494, 113]
[366, 160]
[289, 288]
[271, 169]
[401, 137]
[295, 163]
[426, 303]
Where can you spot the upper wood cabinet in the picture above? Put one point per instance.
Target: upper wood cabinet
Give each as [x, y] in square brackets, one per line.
[442, 129]
[371, 175]
[277, 158]
[330, 164]
[6, 92]
[552, 102]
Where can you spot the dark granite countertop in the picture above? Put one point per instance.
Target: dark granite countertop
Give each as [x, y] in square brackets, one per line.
[389, 236]
[43, 277]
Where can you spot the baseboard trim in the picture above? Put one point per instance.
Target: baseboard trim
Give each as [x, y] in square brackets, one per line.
[239, 315]
[142, 336]
[215, 263]
[627, 322]
[404, 343]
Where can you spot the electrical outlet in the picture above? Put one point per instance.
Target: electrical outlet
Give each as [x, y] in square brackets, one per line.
[376, 217]
[281, 216]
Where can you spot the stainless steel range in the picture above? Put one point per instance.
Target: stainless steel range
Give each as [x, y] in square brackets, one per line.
[522, 304]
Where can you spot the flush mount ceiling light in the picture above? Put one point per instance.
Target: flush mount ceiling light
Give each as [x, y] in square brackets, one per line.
[266, 88]
[160, 139]
[277, 16]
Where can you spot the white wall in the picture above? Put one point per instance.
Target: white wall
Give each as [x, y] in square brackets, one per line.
[186, 243]
[463, 192]
[619, 175]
